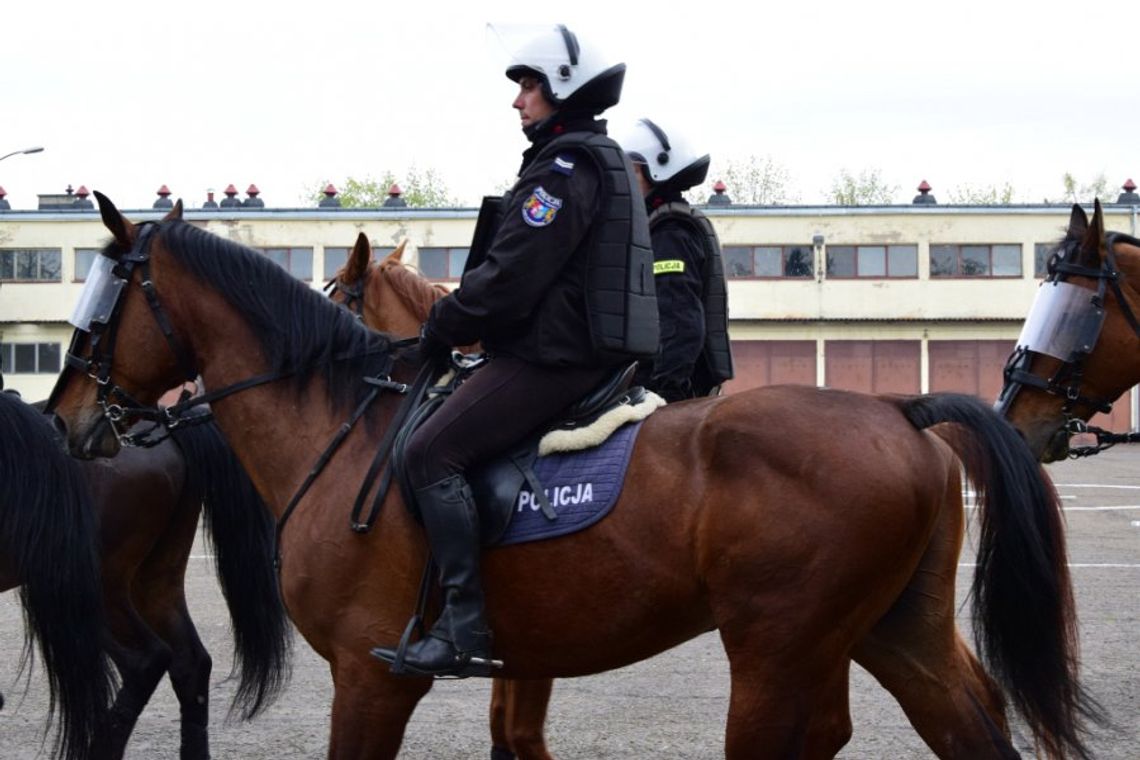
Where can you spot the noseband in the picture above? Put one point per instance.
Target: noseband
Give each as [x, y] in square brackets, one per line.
[1066, 382]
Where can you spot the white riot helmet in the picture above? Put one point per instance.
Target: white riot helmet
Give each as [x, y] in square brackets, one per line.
[669, 159]
[573, 76]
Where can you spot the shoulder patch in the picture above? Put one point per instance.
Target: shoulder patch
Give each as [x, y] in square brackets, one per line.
[670, 266]
[563, 164]
[540, 208]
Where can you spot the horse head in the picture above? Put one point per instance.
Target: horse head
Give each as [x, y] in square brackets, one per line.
[122, 342]
[389, 296]
[1078, 351]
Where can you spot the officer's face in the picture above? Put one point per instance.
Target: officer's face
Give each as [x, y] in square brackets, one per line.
[640, 170]
[530, 102]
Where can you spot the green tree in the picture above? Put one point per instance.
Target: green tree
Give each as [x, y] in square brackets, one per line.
[866, 189]
[1082, 192]
[757, 180]
[981, 195]
[421, 189]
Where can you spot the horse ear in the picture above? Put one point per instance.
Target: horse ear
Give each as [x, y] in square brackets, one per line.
[1093, 238]
[397, 256]
[174, 213]
[1078, 222]
[358, 261]
[122, 230]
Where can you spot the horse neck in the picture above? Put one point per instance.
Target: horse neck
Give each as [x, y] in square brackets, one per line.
[276, 431]
[401, 300]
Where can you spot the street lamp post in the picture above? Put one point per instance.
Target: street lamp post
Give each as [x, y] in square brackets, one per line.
[37, 149]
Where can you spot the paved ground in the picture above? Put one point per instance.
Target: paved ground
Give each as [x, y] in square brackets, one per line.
[672, 706]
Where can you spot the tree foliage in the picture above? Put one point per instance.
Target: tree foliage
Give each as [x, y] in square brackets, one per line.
[421, 189]
[757, 180]
[1076, 191]
[981, 195]
[866, 189]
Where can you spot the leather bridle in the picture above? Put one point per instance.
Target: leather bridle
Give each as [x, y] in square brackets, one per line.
[1066, 381]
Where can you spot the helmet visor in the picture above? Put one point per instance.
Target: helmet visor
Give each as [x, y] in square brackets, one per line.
[1063, 320]
[100, 294]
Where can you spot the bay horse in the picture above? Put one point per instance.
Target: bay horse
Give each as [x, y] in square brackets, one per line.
[48, 549]
[1080, 348]
[148, 501]
[746, 514]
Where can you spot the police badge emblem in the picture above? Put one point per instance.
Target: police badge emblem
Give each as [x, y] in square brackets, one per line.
[540, 208]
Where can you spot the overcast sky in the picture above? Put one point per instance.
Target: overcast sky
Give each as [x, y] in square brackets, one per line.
[127, 96]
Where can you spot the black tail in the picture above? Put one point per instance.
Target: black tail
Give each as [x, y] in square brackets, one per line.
[1026, 625]
[48, 539]
[241, 530]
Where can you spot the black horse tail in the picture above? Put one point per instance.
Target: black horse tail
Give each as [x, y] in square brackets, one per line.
[1025, 619]
[242, 531]
[48, 540]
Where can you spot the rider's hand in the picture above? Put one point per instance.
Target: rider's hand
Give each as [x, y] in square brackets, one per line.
[432, 348]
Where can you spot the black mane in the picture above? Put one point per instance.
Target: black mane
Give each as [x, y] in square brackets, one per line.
[301, 333]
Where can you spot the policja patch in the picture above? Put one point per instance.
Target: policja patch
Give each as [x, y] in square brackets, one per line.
[540, 208]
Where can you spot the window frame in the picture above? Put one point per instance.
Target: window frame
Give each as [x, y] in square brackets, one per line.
[785, 250]
[989, 274]
[289, 251]
[450, 252]
[43, 360]
[886, 247]
[12, 254]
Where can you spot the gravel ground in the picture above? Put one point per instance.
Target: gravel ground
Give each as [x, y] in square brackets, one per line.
[671, 706]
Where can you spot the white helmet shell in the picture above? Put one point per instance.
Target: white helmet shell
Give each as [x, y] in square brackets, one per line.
[555, 55]
[664, 154]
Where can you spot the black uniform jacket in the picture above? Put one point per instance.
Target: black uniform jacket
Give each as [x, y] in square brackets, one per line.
[527, 297]
[679, 261]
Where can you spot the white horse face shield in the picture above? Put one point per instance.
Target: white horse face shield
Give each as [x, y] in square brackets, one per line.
[1063, 320]
[100, 294]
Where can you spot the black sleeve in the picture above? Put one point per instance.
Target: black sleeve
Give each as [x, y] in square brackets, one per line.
[678, 263]
[549, 215]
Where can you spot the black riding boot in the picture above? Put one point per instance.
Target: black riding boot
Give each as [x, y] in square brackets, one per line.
[459, 644]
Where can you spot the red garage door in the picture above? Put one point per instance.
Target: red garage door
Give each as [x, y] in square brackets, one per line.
[772, 362]
[874, 366]
[975, 366]
[968, 366]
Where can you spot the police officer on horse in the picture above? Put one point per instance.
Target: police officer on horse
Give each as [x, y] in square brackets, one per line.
[695, 357]
[558, 288]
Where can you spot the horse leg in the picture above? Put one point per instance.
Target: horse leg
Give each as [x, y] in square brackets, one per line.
[916, 653]
[370, 709]
[518, 715]
[787, 702]
[161, 598]
[141, 658]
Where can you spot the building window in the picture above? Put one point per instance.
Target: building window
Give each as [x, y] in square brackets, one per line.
[1041, 254]
[30, 358]
[335, 258]
[443, 263]
[1002, 260]
[769, 261]
[30, 265]
[296, 261]
[84, 258]
[873, 261]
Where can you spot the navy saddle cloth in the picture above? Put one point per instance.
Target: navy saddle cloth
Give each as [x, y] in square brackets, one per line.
[580, 488]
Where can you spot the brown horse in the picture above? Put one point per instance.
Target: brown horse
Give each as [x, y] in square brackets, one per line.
[48, 549]
[148, 502]
[1080, 349]
[746, 514]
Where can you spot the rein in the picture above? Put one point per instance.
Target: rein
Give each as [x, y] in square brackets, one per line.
[1065, 383]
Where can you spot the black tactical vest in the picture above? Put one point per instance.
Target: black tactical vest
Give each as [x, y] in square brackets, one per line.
[715, 365]
[621, 302]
